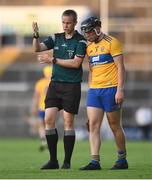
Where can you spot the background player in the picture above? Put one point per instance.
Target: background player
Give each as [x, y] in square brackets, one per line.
[38, 106]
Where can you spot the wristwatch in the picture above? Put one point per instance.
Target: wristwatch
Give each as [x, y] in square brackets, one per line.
[54, 60]
[36, 35]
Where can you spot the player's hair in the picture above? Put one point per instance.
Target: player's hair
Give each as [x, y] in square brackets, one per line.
[70, 12]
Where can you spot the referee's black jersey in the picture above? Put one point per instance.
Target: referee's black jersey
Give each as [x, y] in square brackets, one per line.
[66, 49]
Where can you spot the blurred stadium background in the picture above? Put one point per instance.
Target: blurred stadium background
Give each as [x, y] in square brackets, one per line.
[128, 20]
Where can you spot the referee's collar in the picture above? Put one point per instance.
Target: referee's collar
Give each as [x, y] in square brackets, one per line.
[74, 34]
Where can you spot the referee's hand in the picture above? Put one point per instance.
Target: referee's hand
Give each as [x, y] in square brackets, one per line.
[35, 27]
[44, 58]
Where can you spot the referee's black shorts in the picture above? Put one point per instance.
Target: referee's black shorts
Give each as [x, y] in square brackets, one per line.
[64, 96]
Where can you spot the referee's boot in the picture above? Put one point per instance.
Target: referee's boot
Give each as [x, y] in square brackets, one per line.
[120, 164]
[92, 166]
[50, 165]
[65, 166]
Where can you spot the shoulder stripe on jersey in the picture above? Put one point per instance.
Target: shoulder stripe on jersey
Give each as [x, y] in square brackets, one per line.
[107, 38]
[81, 56]
[83, 41]
[53, 37]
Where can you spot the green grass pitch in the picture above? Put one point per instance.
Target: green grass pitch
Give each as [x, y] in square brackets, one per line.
[20, 159]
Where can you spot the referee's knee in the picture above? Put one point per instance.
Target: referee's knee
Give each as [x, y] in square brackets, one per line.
[49, 123]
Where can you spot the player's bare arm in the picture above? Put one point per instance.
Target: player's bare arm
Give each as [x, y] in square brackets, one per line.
[121, 78]
[38, 47]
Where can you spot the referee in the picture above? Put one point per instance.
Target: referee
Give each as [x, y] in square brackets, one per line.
[64, 91]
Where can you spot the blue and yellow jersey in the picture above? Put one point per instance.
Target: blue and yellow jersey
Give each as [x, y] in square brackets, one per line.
[41, 87]
[103, 68]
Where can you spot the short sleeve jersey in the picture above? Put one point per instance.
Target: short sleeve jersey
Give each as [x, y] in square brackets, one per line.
[66, 49]
[101, 54]
[41, 87]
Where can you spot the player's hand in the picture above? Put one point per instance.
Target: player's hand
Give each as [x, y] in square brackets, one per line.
[119, 97]
[35, 27]
[44, 58]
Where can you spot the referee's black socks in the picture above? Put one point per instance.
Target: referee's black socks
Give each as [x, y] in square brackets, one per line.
[69, 141]
[52, 139]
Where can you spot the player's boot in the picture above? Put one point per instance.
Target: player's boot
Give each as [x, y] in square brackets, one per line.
[92, 166]
[120, 164]
[50, 165]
